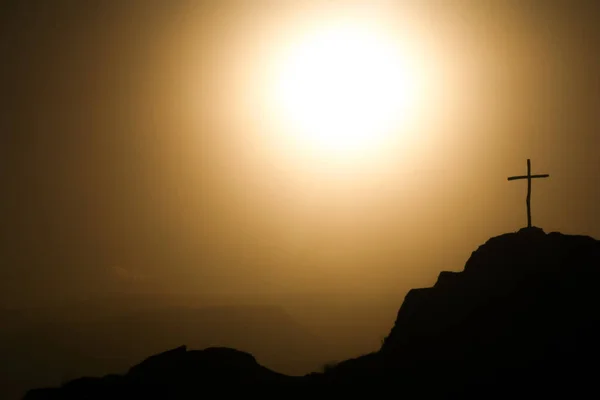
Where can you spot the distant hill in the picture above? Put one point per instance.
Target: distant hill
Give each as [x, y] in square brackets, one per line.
[521, 319]
[49, 352]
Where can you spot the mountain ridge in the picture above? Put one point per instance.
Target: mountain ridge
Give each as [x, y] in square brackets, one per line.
[523, 314]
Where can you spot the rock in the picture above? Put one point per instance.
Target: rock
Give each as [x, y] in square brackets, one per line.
[526, 304]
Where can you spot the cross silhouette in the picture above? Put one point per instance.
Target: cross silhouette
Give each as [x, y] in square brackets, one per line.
[529, 177]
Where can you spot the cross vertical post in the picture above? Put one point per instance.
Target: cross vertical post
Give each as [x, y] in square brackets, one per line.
[528, 193]
[528, 177]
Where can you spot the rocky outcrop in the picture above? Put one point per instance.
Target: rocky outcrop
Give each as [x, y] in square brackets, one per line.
[525, 310]
[523, 315]
[524, 281]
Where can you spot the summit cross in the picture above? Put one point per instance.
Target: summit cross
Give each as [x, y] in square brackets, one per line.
[529, 177]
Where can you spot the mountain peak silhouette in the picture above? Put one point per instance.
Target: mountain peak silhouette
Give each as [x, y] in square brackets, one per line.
[522, 315]
[524, 310]
[517, 273]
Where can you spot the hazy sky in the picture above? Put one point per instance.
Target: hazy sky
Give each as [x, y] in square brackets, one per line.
[139, 151]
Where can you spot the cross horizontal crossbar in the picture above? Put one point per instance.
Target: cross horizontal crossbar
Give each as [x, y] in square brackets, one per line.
[512, 178]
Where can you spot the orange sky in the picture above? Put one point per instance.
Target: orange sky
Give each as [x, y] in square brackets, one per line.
[135, 142]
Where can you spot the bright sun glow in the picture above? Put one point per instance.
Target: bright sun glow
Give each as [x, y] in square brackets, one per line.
[347, 88]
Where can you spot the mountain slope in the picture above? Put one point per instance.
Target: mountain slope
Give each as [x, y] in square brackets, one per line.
[525, 309]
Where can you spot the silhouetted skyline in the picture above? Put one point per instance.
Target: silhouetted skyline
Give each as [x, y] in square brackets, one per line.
[523, 310]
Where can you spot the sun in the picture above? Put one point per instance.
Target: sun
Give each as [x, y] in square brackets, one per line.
[346, 88]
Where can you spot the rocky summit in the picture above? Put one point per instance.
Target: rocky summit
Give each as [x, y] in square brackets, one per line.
[522, 316]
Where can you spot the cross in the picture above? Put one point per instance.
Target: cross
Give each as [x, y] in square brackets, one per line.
[528, 177]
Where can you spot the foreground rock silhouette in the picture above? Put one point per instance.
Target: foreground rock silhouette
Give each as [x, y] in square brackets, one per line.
[522, 316]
